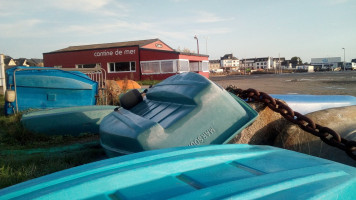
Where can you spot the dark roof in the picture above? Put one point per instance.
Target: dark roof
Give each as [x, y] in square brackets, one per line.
[228, 56]
[108, 45]
[20, 61]
[214, 61]
[34, 62]
[7, 60]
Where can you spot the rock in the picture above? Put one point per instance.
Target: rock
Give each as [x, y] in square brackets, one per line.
[342, 120]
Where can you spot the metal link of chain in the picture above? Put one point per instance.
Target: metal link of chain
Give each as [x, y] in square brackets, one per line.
[326, 134]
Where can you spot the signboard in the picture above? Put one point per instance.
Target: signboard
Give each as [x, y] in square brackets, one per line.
[117, 52]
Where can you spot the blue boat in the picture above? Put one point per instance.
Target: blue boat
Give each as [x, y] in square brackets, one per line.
[42, 88]
[236, 171]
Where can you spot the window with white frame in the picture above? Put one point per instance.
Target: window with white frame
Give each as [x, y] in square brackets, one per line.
[168, 66]
[183, 66]
[194, 66]
[151, 67]
[88, 65]
[205, 66]
[122, 66]
[159, 66]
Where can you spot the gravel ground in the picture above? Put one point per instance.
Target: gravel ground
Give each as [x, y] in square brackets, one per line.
[318, 83]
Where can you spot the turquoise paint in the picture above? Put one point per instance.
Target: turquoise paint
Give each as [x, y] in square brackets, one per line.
[49, 88]
[231, 171]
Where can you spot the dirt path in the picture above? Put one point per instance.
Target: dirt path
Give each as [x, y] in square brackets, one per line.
[319, 83]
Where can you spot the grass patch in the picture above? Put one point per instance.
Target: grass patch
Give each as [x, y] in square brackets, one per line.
[148, 82]
[24, 155]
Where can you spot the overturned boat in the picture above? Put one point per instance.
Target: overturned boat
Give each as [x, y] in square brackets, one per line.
[185, 109]
[237, 171]
[45, 87]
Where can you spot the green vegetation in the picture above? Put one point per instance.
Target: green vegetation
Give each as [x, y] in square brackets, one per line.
[148, 82]
[24, 155]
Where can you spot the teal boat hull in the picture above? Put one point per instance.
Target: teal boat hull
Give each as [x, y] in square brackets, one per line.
[201, 172]
[66, 121]
[183, 110]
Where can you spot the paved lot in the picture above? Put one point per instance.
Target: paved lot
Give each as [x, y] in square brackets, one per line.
[320, 83]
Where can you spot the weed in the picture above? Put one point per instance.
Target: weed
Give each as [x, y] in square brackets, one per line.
[25, 155]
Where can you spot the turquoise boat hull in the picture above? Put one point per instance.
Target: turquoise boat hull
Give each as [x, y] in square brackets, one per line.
[66, 121]
[185, 109]
[45, 87]
[201, 172]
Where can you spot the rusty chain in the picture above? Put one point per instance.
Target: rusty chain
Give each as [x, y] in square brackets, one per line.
[326, 134]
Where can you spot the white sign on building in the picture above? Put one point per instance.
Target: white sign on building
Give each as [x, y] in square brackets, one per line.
[329, 62]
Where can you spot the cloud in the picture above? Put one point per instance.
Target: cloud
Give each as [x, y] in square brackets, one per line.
[20, 28]
[337, 2]
[208, 17]
[102, 7]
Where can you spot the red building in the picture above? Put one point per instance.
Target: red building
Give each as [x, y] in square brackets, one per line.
[136, 60]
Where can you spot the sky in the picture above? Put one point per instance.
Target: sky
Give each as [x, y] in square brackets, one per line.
[247, 29]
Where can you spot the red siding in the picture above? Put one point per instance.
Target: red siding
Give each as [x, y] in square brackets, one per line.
[122, 54]
[103, 56]
[147, 55]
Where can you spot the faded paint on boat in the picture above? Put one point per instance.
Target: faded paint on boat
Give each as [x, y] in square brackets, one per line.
[205, 172]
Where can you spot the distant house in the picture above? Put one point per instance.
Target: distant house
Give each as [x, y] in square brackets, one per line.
[9, 62]
[287, 64]
[214, 65]
[35, 62]
[229, 62]
[21, 62]
[261, 63]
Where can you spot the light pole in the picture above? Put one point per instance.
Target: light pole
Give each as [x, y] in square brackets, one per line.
[195, 37]
[344, 58]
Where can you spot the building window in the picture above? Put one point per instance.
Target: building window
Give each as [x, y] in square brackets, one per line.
[88, 65]
[205, 66]
[122, 67]
[150, 67]
[183, 65]
[194, 66]
[167, 66]
[160, 66]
